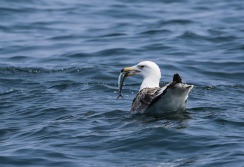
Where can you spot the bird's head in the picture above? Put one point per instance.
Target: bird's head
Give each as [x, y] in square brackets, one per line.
[145, 69]
[148, 70]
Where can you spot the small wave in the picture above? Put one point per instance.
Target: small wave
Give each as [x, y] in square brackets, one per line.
[205, 109]
[18, 58]
[155, 32]
[175, 21]
[65, 37]
[10, 91]
[6, 70]
[66, 118]
[11, 10]
[229, 121]
[236, 48]
[113, 35]
[156, 47]
[192, 35]
[33, 70]
[79, 55]
[112, 52]
[61, 86]
[195, 36]
[211, 87]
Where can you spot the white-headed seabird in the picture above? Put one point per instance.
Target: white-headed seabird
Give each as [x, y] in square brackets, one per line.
[152, 98]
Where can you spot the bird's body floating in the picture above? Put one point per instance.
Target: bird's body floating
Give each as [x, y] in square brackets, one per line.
[154, 99]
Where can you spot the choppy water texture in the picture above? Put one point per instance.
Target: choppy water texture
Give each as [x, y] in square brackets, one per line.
[59, 64]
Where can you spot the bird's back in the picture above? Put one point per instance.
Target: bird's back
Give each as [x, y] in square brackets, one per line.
[171, 97]
[144, 98]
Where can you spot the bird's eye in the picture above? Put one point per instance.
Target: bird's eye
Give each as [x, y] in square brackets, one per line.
[142, 66]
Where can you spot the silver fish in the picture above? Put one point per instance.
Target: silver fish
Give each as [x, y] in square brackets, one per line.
[121, 79]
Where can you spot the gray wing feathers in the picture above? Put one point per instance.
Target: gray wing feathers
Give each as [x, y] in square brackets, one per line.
[148, 96]
[144, 98]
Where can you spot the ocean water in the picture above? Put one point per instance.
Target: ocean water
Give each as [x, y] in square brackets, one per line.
[59, 65]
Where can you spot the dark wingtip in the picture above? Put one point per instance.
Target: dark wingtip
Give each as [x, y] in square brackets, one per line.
[177, 78]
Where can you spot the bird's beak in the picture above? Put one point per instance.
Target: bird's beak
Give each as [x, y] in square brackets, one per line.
[130, 71]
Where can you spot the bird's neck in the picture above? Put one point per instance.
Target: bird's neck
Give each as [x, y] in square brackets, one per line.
[150, 82]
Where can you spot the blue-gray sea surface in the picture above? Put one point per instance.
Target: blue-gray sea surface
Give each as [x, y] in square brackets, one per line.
[59, 65]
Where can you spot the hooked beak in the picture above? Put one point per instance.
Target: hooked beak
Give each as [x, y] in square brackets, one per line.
[130, 71]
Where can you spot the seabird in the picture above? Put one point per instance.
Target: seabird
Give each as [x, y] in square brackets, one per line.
[154, 99]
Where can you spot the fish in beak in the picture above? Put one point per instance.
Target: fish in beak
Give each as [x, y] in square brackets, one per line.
[130, 71]
[125, 72]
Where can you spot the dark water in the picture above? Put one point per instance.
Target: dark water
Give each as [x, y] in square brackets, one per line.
[59, 64]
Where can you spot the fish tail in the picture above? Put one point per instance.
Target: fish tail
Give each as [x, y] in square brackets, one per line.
[120, 95]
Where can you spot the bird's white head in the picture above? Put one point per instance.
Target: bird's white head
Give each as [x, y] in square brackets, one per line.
[148, 70]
